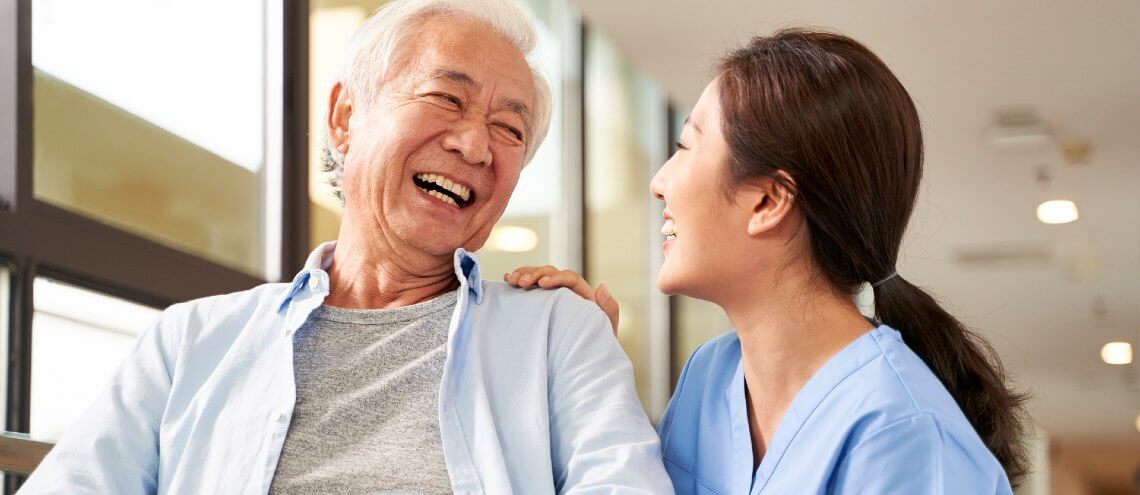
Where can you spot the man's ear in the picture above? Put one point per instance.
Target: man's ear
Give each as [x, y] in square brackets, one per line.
[337, 118]
[771, 201]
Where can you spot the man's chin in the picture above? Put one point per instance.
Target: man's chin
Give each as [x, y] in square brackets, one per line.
[441, 249]
[429, 241]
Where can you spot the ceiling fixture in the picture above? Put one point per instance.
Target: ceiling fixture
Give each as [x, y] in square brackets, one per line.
[1057, 211]
[1116, 353]
[1076, 151]
[512, 239]
[1054, 211]
[1018, 129]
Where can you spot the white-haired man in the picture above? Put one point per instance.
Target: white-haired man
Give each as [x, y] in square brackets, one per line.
[387, 365]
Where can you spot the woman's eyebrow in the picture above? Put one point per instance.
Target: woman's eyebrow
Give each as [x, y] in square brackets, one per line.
[689, 121]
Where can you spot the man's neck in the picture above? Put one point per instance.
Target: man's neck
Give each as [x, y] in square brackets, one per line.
[377, 273]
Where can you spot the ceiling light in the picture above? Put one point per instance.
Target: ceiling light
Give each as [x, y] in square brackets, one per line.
[1138, 422]
[1018, 129]
[512, 239]
[1116, 353]
[1057, 211]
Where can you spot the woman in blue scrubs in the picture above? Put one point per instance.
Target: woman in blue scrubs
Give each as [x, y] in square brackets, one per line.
[787, 198]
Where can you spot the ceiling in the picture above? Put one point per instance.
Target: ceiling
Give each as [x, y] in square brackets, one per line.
[1077, 66]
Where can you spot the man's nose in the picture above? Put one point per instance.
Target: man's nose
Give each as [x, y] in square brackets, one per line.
[471, 140]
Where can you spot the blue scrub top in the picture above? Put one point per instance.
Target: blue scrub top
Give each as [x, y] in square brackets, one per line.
[873, 419]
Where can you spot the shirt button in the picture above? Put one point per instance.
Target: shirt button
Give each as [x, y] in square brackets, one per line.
[314, 282]
[276, 416]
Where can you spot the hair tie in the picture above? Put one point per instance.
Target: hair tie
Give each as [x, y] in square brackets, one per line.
[888, 277]
[864, 298]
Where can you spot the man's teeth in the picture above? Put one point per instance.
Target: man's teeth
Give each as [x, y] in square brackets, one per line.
[443, 197]
[441, 181]
[669, 229]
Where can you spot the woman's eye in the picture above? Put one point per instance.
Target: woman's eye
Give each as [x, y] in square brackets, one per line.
[677, 146]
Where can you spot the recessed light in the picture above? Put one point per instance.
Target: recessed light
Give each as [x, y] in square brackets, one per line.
[1057, 211]
[1116, 353]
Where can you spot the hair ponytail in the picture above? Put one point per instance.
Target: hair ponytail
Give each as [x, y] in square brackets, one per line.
[965, 364]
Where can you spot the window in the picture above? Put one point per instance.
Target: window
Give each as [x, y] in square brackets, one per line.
[330, 30]
[626, 139]
[79, 338]
[143, 155]
[165, 138]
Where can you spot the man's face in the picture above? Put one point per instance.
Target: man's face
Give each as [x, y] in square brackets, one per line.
[434, 158]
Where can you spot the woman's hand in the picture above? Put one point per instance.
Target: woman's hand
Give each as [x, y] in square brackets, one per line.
[549, 277]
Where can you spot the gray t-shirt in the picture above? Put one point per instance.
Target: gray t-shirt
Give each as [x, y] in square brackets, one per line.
[367, 412]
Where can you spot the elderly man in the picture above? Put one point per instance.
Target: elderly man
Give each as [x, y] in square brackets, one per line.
[387, 364]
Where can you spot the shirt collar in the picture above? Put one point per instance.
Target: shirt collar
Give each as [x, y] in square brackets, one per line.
[466, 271]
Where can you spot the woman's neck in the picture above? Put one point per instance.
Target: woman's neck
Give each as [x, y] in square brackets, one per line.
[788, 330]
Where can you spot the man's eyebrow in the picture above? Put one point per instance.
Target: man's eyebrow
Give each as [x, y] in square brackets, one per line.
[689, 121]
[520, 108]
[454, 76]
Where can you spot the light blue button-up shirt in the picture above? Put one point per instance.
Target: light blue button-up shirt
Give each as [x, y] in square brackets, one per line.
[874, 419]
[536, 397]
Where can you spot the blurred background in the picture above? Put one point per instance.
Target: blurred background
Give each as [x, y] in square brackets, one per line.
[157, 151]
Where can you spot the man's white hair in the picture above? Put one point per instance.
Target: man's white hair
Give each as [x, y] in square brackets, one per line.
[372, 50]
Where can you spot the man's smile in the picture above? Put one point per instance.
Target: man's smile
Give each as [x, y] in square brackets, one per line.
[445, 189]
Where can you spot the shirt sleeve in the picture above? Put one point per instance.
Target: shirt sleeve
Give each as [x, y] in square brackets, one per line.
[913, 456]
[601, 439]
[113, 446]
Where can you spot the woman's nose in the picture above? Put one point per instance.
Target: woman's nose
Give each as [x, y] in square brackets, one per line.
[657, 185]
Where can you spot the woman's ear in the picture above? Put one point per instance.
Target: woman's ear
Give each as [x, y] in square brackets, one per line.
[337, 118]
[771, 201]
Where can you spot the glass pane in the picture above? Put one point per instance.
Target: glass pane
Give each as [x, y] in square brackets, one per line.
[522, 236]
[622, 109]
[164, 137]
[330, 30]
[79, 338]
[694, 323]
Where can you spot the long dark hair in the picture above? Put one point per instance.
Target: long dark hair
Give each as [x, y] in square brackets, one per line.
[823, 109]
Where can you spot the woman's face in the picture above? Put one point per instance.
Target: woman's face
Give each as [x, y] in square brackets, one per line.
[707, 246]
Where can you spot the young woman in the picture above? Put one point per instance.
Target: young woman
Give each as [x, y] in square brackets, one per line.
[792, 184]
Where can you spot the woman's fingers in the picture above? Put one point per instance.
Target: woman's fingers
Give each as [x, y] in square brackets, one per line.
[549, 277]
[528, 276]
[609, 305]
[568, 279]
